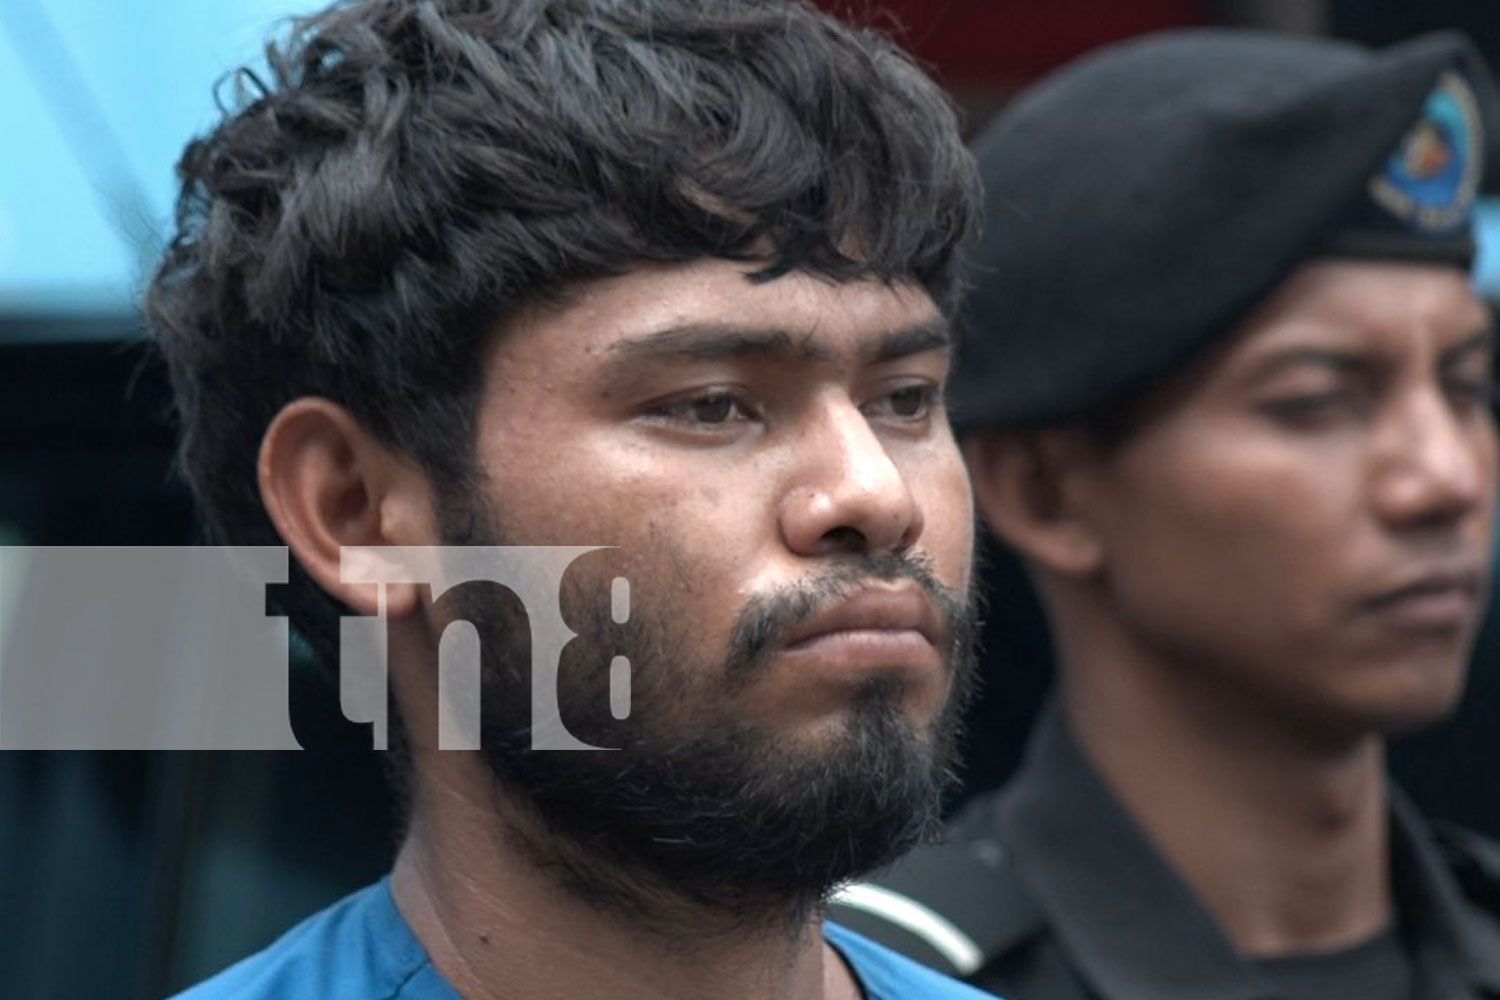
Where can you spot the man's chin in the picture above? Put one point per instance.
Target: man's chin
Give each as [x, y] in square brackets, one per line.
[732, 816]
[816, 732]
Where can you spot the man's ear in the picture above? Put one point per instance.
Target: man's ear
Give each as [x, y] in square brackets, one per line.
[1027, 486]
[327, 483]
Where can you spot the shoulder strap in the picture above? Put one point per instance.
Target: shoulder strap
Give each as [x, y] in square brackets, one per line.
[955, 906]
[1475, 862]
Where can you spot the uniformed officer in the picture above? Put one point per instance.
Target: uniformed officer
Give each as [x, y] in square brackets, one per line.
[1226, 393]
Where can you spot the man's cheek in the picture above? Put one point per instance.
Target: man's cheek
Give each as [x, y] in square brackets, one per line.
[948, 533]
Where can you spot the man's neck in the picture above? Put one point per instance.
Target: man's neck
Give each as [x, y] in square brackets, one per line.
[497, 924]
[1284, 839]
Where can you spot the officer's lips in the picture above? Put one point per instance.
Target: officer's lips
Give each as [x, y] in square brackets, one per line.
[1439, 599]
[875, 628]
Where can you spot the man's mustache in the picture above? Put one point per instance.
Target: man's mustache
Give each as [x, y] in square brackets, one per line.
[768, 618]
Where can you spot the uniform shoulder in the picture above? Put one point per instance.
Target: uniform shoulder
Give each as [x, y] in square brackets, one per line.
[1474, 860]
[955, 906]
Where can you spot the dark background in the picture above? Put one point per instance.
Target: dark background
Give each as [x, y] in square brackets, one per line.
[125, 876]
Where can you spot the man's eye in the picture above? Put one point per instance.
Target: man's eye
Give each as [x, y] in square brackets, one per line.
[909, 403]
[712, 409]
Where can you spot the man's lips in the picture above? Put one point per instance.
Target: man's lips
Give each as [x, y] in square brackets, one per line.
[873, 628]
[1439, 598]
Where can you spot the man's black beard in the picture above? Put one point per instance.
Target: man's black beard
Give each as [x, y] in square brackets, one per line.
[700, 805]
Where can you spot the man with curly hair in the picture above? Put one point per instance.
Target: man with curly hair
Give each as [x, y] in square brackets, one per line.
[668, 276]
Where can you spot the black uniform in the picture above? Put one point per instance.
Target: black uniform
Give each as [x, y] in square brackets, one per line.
[1139, 204]
[1049, 891]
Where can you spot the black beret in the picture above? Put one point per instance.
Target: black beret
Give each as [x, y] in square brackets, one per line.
[1142, 200]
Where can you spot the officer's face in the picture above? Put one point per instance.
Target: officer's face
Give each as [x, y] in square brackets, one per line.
[1307, 514]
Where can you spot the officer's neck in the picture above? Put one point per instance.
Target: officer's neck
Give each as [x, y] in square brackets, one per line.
[1282, 833]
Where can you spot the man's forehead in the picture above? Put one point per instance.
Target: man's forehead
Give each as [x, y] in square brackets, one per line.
[711, 309]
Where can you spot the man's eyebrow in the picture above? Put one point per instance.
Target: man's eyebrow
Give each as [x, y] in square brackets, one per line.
[928, 335]
[1481, 342]
[715, 341]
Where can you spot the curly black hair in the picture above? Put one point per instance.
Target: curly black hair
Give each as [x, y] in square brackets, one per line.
[415, 170]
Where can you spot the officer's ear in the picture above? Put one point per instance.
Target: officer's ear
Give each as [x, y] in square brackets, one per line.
[327, 483]
[1031, 487]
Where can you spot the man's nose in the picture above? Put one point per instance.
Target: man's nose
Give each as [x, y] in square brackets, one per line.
[1438, 464]
[846, 493]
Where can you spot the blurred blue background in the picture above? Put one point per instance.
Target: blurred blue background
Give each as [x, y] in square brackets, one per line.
[99, 97]
[127, 876]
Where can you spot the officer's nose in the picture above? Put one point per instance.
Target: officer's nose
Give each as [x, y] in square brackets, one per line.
[1434, 469]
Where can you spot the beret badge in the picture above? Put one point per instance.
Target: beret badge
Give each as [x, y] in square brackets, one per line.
[1143, 200]
[1429, 183]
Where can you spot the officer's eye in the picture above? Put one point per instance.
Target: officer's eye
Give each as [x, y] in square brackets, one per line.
[1472, 393]
[1312, 409]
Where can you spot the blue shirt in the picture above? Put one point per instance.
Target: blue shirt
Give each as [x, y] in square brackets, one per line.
[361, 949]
